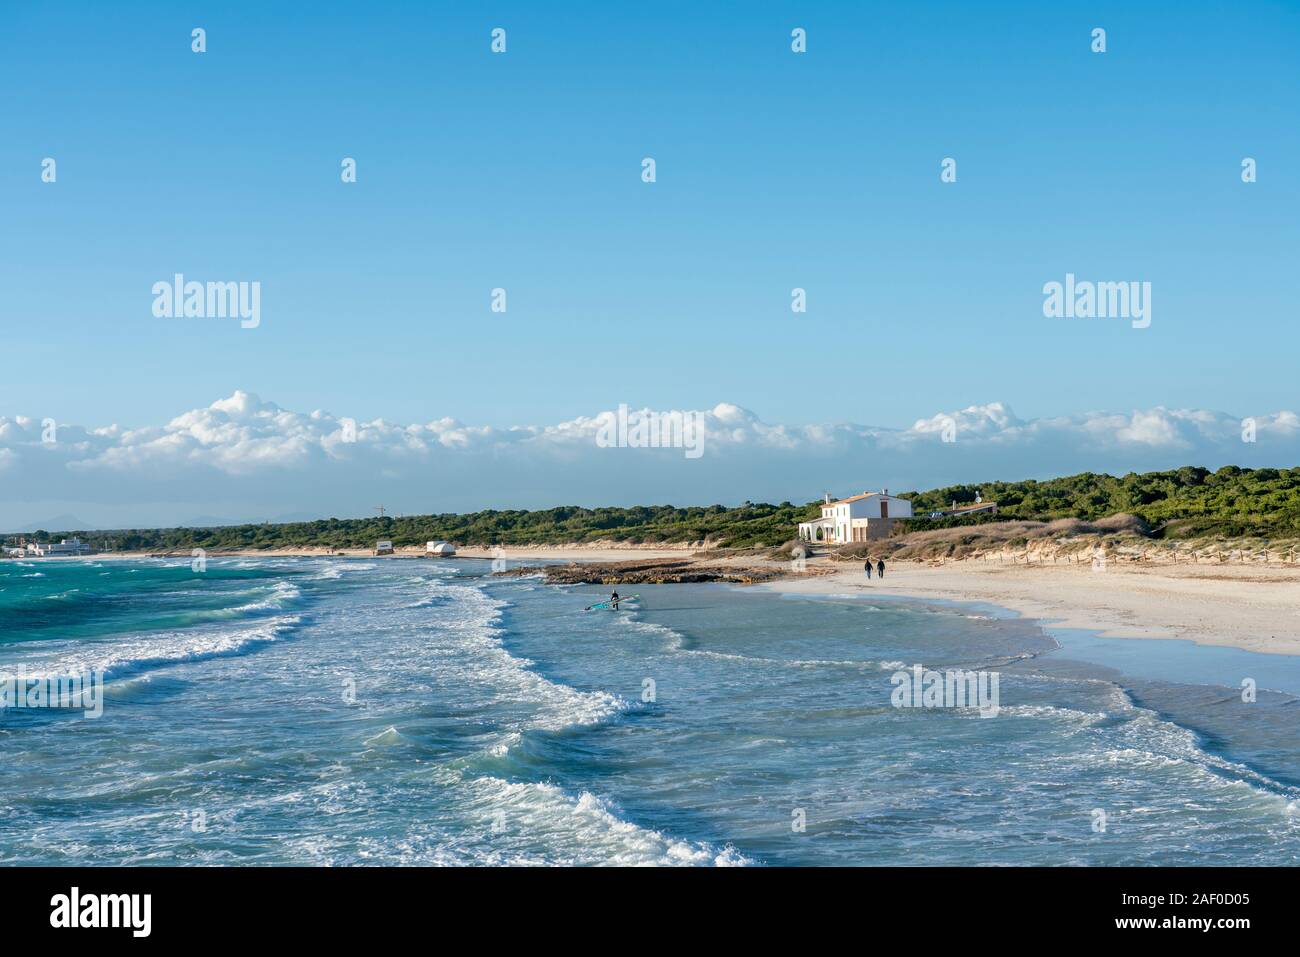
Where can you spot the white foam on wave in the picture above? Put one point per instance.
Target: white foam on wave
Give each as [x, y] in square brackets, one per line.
[1149, 738]
[495, 823]
[675, 639]
[1141, 738]
[277, 598]
[677, 643]
[388, 736]
[483, 659]
[281, 594]
[531, 822]
[126, 656]
[1071, 715]
[430, 596]
[581, 830]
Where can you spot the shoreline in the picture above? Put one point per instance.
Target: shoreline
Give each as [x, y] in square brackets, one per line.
[1250, 607]
[513, 553]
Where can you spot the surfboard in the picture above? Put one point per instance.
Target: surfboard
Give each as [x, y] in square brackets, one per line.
[614, 606]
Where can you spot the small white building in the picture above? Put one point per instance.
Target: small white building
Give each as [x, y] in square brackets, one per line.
[858, 518]
[69, 546]
[977, 507]
[958, 511]
[383, 548]
[440, 549]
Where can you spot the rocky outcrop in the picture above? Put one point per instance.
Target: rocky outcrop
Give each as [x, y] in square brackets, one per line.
[662, 572]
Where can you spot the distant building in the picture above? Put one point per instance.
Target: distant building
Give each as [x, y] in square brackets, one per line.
[859, 518]
[440, 549]
[69, 546]
[383, 548]
[975, 508]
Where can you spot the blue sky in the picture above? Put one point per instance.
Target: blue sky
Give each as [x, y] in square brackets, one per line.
[522, 171]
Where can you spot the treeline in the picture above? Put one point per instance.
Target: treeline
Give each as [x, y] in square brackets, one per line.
[1231, 502]
[1190, 501]
[746, 526]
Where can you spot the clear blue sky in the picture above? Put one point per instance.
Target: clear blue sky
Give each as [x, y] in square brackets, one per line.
[522, 171]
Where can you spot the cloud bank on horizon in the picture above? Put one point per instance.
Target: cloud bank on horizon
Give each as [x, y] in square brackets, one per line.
[246, 459]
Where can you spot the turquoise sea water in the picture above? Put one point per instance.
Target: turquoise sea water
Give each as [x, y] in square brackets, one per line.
[297, 711]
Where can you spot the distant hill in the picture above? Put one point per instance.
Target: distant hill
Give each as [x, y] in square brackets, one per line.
[57, 522]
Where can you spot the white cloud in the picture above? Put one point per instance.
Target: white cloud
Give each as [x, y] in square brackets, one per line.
[248, 458]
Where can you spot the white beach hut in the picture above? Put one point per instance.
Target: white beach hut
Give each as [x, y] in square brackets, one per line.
[440, 549]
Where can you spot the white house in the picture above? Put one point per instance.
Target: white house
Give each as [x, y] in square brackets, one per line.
[858, 518]
[440, 549]
[69, 546]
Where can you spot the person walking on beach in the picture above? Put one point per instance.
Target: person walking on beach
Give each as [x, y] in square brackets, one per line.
[880, 568]
[867, 566]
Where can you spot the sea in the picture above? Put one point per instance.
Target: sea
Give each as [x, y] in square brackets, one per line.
[294, 711]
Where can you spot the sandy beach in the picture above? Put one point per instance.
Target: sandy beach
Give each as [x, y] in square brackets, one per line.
[1257, 609]
[1253, 607]
[577, 553]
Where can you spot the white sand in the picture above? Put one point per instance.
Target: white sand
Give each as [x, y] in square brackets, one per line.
[1242, 607]
[576, 553]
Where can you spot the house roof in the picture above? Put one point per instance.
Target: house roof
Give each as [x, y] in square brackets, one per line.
[975, 506]
[858, 498]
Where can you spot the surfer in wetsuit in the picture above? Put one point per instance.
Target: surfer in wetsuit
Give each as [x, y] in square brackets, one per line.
[613, 599]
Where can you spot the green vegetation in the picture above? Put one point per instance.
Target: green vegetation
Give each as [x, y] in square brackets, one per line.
[748, 526]
[1181, 503]
[1232, 502]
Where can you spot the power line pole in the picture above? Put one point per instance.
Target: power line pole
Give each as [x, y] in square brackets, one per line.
[380, 510]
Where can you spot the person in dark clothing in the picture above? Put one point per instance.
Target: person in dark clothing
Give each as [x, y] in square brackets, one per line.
[613, 599]
[880, 568]
[867, 566]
